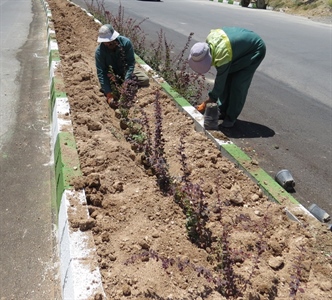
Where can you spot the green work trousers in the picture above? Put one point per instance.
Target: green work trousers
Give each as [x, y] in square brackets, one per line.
[233, 79]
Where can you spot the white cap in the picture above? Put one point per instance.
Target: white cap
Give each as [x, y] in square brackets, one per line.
[107, 34]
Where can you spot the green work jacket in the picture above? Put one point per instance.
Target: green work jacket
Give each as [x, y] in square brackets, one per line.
[121, 61]
[232, 49]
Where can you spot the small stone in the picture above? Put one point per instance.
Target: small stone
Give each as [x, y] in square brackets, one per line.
[236, 197]
[254, 162]
[94, 214]
[126, 290]
[105, 237]
[325, 285]
[144, 245]
[87, 224]
[145, 258]
[254, 197]
[112, 257]
[118, 185]
[94, 126]
[98, 297]
[155, 234]
[117, 114]
[276, 263]
[225, 170]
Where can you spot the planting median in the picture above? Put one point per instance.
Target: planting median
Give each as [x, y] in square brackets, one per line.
[111, 207]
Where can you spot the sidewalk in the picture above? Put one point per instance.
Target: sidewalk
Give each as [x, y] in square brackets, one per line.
[28, 245]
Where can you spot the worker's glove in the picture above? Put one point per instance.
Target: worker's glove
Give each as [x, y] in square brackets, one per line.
[201, 108]
[111, 101]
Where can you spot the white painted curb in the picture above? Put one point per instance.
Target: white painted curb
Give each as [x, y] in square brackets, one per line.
[80, 275]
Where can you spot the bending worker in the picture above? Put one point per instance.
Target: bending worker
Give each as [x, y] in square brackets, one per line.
[236, 53]
[115, 63]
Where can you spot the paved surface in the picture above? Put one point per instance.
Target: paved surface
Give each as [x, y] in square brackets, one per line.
[27, 218]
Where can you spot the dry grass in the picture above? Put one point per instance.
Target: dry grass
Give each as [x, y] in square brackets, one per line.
[308, 8]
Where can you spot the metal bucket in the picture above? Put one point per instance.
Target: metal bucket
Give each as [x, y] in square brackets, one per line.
[211, 116]
[319, 213]
[285, 179]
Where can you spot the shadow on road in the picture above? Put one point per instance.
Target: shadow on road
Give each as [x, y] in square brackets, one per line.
[244, 129]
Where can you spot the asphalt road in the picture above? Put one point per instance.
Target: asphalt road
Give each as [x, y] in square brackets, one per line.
[28, 260]
[287, 119]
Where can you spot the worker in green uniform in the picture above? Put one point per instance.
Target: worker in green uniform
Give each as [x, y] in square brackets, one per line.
[115, 63]
[236, 53]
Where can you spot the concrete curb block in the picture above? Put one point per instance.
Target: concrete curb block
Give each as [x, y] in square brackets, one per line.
[80, 275]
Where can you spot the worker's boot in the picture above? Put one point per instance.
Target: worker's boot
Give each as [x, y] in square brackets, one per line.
[211, 116]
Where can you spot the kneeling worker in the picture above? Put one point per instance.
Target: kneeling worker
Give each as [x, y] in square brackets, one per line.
[115, 63]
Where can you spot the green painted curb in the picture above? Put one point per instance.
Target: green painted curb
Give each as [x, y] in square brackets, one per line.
[263, 179]
[57, 85]
[182, 102]
[139, 60]
[51, 36]
[67, 166]
[53, 56]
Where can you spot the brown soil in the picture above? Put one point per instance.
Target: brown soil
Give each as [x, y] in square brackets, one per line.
[129, 214]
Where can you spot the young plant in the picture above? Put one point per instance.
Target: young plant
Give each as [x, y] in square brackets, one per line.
[224, 256]
[154, 157]
[175, 69]
[181, 264]
[125, 26]
[155, 57]
[158, 159]
[191, 199]
[296, 275]
[147, 146]
[260, 227]
[196, 210]
[188, 84]
[136, 135]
